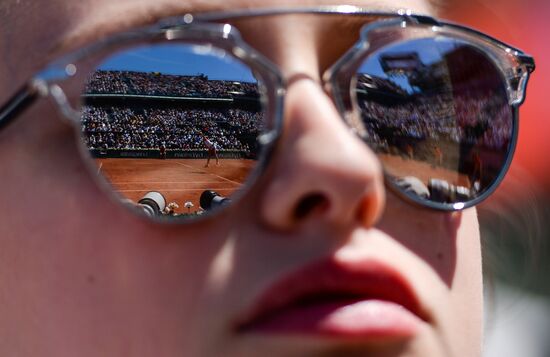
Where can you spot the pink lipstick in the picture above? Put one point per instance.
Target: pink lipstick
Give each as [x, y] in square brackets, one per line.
[365, 300]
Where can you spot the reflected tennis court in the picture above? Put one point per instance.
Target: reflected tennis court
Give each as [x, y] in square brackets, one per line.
[178, 180]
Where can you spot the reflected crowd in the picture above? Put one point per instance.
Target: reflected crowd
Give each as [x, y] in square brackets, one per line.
[481, 119]
[157, 84]
[151, 124]
[178, 129]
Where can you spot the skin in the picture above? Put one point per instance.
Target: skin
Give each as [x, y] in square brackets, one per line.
[79, 275]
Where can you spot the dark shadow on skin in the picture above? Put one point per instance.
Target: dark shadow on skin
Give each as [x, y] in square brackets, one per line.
[438, 248]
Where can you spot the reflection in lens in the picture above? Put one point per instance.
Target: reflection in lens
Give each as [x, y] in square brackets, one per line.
[436, 113]
[176, 119]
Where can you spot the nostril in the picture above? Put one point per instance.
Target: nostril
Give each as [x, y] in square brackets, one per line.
[311, 204]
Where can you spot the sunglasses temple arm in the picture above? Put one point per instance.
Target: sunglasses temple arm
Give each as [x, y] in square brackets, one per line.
[17, 104]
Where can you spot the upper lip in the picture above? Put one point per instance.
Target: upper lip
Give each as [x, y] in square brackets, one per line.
[328, 280]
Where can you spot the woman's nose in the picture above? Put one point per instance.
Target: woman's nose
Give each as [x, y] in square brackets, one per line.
[321, 171]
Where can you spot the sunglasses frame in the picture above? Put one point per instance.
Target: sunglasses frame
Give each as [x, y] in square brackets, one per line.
[210, 29]
[513, 68]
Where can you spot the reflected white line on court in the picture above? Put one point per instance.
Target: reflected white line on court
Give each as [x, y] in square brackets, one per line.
[99, 168]
[177, 190]
[161, 182]
[209, 173]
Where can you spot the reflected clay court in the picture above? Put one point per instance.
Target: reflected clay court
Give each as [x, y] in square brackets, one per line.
[179, 180]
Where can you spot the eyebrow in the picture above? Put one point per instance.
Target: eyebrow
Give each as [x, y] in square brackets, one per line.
[124, 18]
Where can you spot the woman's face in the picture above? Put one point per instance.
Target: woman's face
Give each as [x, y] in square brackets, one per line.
[318, 260]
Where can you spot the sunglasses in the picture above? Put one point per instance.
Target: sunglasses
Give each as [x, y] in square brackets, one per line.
[179, 119]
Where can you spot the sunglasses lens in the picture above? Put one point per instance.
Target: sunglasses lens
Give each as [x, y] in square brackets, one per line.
[173, 128]
[436, 112]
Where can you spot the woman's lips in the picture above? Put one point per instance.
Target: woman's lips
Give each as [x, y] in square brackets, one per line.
[338, 300]
[346, 318]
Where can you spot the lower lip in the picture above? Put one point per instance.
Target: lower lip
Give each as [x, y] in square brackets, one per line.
[365, 319]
